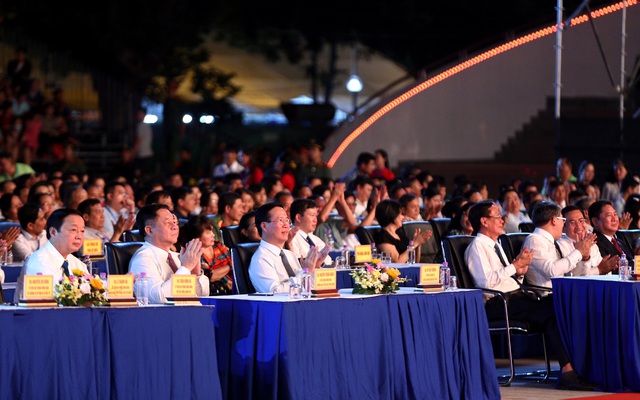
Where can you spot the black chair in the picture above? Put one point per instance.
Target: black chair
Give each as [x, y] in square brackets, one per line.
[230, 235]
[431, 251]
[366, 234]
[454, 248]
[241, 255]
[132, 235]
[630, 236]
[440, 227]
[527, 227]
[118, 255]
[1, 295]
[512, 243]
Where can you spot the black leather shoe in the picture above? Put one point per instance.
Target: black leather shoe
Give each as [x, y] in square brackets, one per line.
[571, 381]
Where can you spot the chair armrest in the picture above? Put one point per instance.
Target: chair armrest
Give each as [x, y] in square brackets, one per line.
[536, 290]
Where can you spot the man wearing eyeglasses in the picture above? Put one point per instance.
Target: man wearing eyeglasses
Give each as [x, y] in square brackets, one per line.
[575, 228]
[272, 265]
[489, 267]
[548, 258]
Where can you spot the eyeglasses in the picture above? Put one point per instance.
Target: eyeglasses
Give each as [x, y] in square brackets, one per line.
[577, 222]
[563, 219]
[497, 216]
[281, 221]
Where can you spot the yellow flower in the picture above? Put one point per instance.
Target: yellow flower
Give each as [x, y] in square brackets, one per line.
[97, 284]
[393, 272]
[376, 261]
[77, 272]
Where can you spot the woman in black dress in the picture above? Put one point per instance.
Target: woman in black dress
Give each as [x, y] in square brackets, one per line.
[391, 238]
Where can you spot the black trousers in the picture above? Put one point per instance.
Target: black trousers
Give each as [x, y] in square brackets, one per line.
[539, 314]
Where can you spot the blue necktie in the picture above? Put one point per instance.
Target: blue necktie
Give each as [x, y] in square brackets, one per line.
[499, 253]
[65, 267]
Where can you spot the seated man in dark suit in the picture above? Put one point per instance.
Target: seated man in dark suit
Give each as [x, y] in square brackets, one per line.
[604, 219]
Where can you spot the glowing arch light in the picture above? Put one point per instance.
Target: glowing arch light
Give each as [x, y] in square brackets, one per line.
[463, 66]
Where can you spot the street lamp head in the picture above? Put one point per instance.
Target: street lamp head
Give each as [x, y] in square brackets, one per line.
[354, 84]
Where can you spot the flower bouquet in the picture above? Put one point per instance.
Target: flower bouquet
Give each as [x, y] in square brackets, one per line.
[80, 289]
[376, 278]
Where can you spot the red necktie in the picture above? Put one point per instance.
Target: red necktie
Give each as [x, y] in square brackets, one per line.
[617, 245]
[172, 263]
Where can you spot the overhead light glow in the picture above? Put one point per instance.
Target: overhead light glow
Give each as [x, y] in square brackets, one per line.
[354, 84]
[150, 119]
[186, 119]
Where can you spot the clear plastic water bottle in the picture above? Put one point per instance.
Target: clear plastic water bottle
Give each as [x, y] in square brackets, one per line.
[623, 268]
[445, 275]
[346, 255]
[142, 289]
[9, 256]
[87, 261]
[103, 278]
[411, 253]
[374, 251]
[330, 239]
[295, 288]
[305, 283]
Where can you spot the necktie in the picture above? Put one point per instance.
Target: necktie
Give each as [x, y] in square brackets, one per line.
[172, 263]
[499, 253]
[617, 246]
[310, 241]
[558, 249]
[287, 266]
[65, 267]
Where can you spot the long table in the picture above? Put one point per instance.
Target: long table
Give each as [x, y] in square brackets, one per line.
[82, 353]
[599, 321]
[404, 346]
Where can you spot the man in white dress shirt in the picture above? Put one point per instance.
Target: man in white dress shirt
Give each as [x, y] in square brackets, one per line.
[230, 163]
[268, 271]
[32, 233]
[304, 213]
[117, 206]
[575, 229]
[160, 230]
[490, 269]
[548, 259]
[65, 231]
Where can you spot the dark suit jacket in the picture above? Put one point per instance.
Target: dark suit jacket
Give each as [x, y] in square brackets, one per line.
[607, 248]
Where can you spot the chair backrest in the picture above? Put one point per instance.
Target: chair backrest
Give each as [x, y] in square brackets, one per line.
[1, 295]
[132, 235]
[440, 227]
[630, 236]
[453, 248]
[4, 225]
[241, 254]
[230, 235]
[118, 255]
[431, 251]
[366, 234]
[512, 243]
[527, 227]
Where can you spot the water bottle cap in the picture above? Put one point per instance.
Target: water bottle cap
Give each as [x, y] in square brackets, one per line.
[143, 274]
[410, 242]
[623, 255]
[306, 270]
[445, 264]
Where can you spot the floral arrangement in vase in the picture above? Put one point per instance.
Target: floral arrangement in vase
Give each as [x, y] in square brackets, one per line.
[376, 278]
[80, 289]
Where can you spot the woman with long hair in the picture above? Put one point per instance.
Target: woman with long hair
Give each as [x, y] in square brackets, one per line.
[215, 260]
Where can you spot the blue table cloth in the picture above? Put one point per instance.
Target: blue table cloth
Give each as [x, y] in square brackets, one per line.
[108, 353]
[400, 346]
[599, 321]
